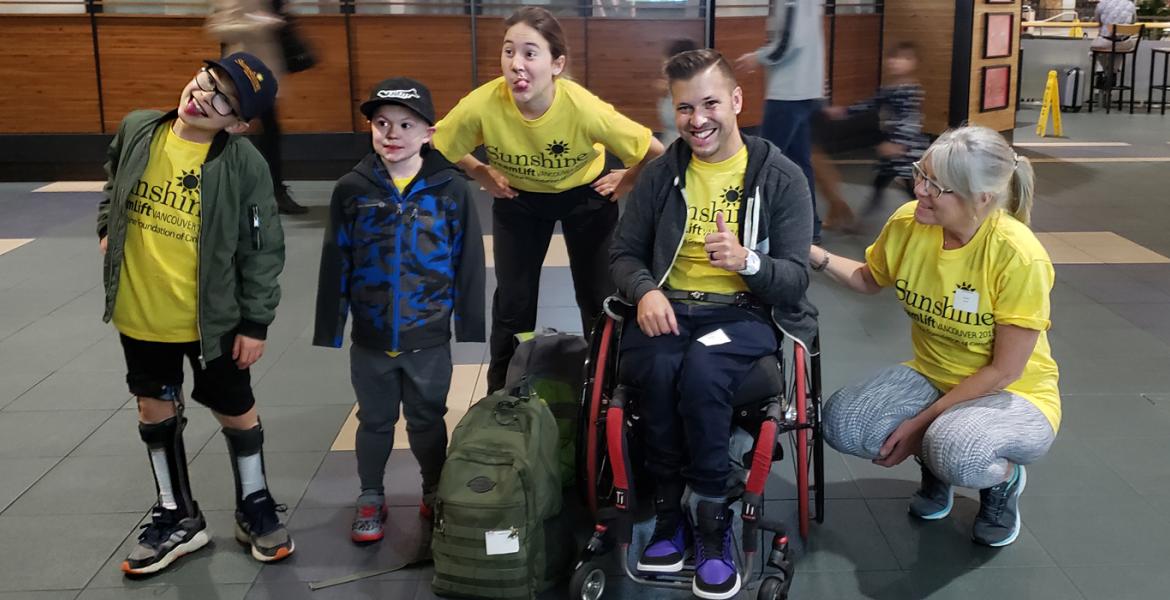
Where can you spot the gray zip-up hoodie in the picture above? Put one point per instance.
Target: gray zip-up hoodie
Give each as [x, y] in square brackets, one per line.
[777, 224]
[794, 57]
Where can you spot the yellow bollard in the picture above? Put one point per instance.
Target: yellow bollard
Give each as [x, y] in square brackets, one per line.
[1076, 30]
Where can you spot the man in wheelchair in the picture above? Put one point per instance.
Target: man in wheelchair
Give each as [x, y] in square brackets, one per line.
[713, 250]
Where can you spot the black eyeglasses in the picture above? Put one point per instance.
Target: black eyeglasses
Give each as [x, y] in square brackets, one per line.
[933, 188]
[219, 101]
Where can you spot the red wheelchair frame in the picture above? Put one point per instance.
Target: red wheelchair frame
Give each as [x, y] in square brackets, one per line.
[604, 468]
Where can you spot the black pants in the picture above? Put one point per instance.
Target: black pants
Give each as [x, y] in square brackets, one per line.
[687, 387]
[268, 143]
[522, 228]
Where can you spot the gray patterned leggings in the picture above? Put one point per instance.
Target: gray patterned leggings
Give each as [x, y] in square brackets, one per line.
[971, 445]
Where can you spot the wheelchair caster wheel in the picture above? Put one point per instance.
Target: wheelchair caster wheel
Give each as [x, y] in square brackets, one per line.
[773, 588]
[588, 583]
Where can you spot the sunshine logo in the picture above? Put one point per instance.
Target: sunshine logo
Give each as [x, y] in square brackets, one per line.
[189, 182]
[966, 287]
[557, 148]
[732, 194]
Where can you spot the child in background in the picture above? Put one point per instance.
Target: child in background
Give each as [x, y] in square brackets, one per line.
[900, 104]
[403, 251]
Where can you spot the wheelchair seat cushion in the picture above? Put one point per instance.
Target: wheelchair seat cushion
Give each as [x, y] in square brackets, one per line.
[763, 381]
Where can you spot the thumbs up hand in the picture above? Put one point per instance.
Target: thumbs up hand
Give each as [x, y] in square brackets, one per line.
[723, 247]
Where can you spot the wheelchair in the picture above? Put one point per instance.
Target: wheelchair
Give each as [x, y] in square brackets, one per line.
[780, 397]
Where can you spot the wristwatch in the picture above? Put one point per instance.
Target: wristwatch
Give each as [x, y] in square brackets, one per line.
[751, 265]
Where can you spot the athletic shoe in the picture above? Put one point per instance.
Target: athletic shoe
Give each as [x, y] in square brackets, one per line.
[998, 521]
[167, 537]
[668, 547]
[285, 204]
[934, 499]
[716, 576]
[258, 527]
[368, 522]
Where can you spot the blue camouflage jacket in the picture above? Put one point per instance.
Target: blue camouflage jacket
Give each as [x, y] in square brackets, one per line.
[405, 264]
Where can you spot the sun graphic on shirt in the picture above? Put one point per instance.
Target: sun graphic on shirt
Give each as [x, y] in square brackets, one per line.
[557, 148]
[189, 184]
[732, 194]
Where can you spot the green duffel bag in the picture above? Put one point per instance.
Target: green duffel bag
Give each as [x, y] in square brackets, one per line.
[552, 363]
[497, 534]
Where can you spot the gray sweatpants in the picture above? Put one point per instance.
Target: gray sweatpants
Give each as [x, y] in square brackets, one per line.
[973, 444]
[418, 383]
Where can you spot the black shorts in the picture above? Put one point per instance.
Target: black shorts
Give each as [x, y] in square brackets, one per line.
[222, 387]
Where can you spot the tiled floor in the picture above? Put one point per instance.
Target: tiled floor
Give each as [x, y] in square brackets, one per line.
[75, 484]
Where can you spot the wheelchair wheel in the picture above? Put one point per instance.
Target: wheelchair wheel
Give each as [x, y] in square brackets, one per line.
[772, 588]
[587, 583]
[592, 468]
[808, 443]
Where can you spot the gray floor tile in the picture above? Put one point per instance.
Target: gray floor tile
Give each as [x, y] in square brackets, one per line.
[1073, 531]
[47, 433]
[297, 428]
[1074, 468]
[48, 595]
[946, 544]
[1089, 417]
[1141, 462]
[184, 592]
[89, 486]
[336, 483]
[1041, 583]
[31, 548]
[878, 585]
[74, 390]
[848, 540]
[223, 561]
[469, 353]
[324, 550]
[306, 376]
[288, 475]
[838, 480]
[18, 474]
[1123, 582]
[363, 590]
[119, 436]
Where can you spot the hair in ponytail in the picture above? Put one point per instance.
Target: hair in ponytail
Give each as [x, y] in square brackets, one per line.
[975, 161]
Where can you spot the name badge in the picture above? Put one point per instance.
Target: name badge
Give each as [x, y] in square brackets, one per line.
[502, 541]
[967, 300]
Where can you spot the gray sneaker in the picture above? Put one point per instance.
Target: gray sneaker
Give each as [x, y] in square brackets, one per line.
[998, 521]
[258, 527]
[934, 498]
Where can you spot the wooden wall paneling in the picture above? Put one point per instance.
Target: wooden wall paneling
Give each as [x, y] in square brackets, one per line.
[48, 86]
[930, 25]
[856, 56]
[999, 120]
[733, 37]
[434, 49]
[317, 100]
[489, 42]
[147, 60]
[625, 57]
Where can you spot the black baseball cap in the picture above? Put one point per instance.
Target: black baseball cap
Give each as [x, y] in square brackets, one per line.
[255, 83]
[404, 91]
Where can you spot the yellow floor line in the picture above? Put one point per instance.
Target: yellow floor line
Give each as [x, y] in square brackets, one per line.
[1071, 144]
[8, 245]
[72, 186]
[557, 256]
[1096, 247]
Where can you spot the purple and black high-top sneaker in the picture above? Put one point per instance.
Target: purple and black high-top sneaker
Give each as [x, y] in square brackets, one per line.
[670, 544]
[716, 576]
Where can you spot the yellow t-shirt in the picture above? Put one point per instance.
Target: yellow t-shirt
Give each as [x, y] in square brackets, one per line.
[157, 288]
[1003, 274]
[562, 149]
[711, 188]
[401, 183]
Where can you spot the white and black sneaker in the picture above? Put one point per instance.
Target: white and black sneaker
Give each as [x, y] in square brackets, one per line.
[168, 536]
[259, 528]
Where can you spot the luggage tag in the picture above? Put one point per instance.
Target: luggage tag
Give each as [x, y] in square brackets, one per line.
[502, 541]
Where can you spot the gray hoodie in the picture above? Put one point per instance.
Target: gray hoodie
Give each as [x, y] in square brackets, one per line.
[794, 58]
[777, 218]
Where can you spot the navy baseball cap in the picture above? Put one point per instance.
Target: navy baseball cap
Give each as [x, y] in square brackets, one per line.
[255, 83]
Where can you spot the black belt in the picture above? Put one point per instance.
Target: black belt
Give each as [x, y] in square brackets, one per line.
[738, 299]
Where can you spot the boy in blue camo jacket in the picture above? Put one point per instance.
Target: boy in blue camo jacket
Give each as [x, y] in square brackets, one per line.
[403, 252]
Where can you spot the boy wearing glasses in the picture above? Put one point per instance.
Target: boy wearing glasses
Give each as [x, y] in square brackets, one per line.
[193, 248]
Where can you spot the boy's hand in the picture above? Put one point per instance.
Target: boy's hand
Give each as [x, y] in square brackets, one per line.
[608, 184]
[655, 315]
[103, 243]
[890, 150]
[723, 248]
[495, 182]
[246, 351]
[747, 63]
